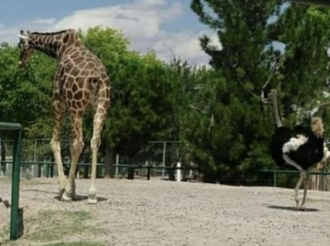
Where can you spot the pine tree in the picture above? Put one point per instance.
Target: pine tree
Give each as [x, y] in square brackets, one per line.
[252, 61]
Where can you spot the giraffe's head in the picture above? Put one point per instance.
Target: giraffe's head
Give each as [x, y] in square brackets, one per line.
[25, 47]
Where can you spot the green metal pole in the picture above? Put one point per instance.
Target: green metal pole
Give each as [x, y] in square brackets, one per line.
[15, 223]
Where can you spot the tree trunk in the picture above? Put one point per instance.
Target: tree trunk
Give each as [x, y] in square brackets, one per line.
[108, 162]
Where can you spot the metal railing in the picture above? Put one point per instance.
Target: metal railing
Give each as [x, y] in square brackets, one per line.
[50, 166]
[16, 216]
[278, 171]
[160, 153]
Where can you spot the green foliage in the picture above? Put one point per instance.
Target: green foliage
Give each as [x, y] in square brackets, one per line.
[215, 113]
[249, 63]
[143, 95]
[24, 93]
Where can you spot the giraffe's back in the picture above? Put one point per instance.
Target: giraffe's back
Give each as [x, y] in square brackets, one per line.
[83, 79]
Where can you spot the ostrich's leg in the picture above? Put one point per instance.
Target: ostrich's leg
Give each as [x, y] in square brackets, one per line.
[303, 175]
[296, 190]
[306, 182]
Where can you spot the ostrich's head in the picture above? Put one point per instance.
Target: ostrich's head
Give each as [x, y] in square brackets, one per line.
[273, 100]
[317, 127]
[25, 47]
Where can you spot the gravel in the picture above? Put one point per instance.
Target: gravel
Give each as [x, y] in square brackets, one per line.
[163, 213]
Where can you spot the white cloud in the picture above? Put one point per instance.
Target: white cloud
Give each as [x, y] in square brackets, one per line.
[149, 3]
[183, 45]
[49, 21]
[141, 21]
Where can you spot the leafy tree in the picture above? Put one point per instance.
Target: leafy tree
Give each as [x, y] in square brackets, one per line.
[24, 93]
[305, 70]
[143, 95]
[249, 63]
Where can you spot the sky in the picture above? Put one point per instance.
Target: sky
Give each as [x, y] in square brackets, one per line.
[166, 26]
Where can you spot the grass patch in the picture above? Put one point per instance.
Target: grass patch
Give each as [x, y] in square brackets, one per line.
[75, 244]
[55, 225]
[25, 181]
[4, 232]
[34, 181]
[49, 227]
[5, 179]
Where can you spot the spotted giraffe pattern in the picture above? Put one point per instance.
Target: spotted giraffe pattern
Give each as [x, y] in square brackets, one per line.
[80, 80]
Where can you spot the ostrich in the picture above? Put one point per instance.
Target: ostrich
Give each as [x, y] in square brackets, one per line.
[299, 147]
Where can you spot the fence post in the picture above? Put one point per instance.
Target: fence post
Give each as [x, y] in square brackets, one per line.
[148, 172]
[1, 165]
[16, 223]
[51, 170]
[117, 163]
[178, 172]
[275, 178]
[35, 150]
[131, 171]
[39, 170]
[3, 157]
[164, 159]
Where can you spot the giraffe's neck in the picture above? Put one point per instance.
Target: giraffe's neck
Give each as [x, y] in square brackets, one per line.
[54, 44]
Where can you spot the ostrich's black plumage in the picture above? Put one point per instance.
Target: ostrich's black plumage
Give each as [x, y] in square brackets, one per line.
[299, 148]
[306, 155]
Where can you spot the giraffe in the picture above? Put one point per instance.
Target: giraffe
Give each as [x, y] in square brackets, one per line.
[80, 80]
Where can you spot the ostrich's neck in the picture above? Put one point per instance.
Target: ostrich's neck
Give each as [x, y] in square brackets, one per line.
[275, 111]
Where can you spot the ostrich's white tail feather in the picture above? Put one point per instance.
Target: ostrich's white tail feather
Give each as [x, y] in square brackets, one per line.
[294, 143]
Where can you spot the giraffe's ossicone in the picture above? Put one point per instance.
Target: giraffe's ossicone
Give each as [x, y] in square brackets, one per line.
[80, 80]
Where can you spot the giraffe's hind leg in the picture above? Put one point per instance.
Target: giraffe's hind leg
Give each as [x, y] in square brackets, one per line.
[100, 109]
[76, 147]
[58, 108]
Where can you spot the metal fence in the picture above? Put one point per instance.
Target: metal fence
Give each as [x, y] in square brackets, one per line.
[319, 178]
[160, 156]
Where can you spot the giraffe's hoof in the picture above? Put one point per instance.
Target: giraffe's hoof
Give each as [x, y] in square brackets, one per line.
[66, 197]
[61, 191]
[92, 199]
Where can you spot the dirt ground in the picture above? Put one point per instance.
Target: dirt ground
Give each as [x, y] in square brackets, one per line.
[167, 213]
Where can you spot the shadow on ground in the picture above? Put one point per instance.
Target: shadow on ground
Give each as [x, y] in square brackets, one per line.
[77, 199]
[293, 208]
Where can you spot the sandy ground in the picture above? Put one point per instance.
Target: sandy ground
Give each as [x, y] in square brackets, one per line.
[166, 213]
